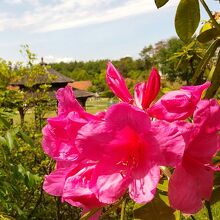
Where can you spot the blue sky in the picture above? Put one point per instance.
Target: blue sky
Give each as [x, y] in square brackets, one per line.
[84, 29]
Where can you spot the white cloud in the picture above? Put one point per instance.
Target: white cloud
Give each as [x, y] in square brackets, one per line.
[52, 59]
[4, 21]
[16, 2]
[62, 14]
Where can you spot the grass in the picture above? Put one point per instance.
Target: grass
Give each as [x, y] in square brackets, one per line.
[94, 105]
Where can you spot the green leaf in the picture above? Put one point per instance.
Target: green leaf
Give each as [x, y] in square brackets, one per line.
[160, 3]
[208, 35]
[187, 19]
[21, 169]
[208, 55]
[165, 90]
[163, 186]
[32, 179]
[2, 140]
[112, 208]
[215, 196]
[10, 139]
[209, 78]
[207, 26]
[26, 138]
[5, 122]
[210, 93]
[157, 209]
[217, 179]
[4, 216]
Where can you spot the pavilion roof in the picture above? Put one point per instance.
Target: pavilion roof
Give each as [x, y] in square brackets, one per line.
[51, 77]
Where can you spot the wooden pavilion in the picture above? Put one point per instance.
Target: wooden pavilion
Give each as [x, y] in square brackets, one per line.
[56, 80]
[51, 77]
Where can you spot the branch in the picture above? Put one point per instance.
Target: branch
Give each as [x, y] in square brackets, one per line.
[215, 23]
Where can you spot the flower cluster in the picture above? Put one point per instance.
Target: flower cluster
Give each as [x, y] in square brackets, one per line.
[101, 157]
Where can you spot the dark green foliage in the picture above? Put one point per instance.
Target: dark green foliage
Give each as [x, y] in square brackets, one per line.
[160, 3]
[95, 71]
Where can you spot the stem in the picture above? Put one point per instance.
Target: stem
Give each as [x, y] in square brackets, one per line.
[192, 217]
[123, 210]
[215, 23]
[113, 207]
[208, 207]
[58, 203]
[37, 203]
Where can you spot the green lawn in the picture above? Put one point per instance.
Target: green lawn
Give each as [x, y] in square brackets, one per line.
[94, 105]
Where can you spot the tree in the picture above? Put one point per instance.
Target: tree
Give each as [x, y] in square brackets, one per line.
[147, 55]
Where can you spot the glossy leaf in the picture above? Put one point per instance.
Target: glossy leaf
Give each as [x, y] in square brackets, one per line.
[208, 35]
[207, 26]
[157, 209]
[187, 19]
[208, 55]
[209, 78]
[210, 93]
[160, 3]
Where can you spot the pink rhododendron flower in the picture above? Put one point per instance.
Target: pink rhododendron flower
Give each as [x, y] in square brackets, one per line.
[144, 93]
[71, 177]
[192, 180]
[60, 132]
[100, 157]
[127, 150]
[178, 105]
[72, 184]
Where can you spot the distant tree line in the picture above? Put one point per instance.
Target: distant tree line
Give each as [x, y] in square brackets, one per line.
[171, 57]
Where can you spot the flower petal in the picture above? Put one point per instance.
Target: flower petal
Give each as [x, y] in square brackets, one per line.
[95, 138]
[95, 216]
[203, 147]
[54, 183]
[67, 101]
[143, 190]
[139, 93]
[58, 139]
[108, 182]
[121, 115]
[171, 140]
[197, 90]
[76, 190]
[92, 139]
[146, 92]
[117, 84]
[183, 191]
[178, 105]
[207, 115]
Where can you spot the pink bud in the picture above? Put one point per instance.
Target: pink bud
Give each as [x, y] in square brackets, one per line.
[146, 92]
[117, 84]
